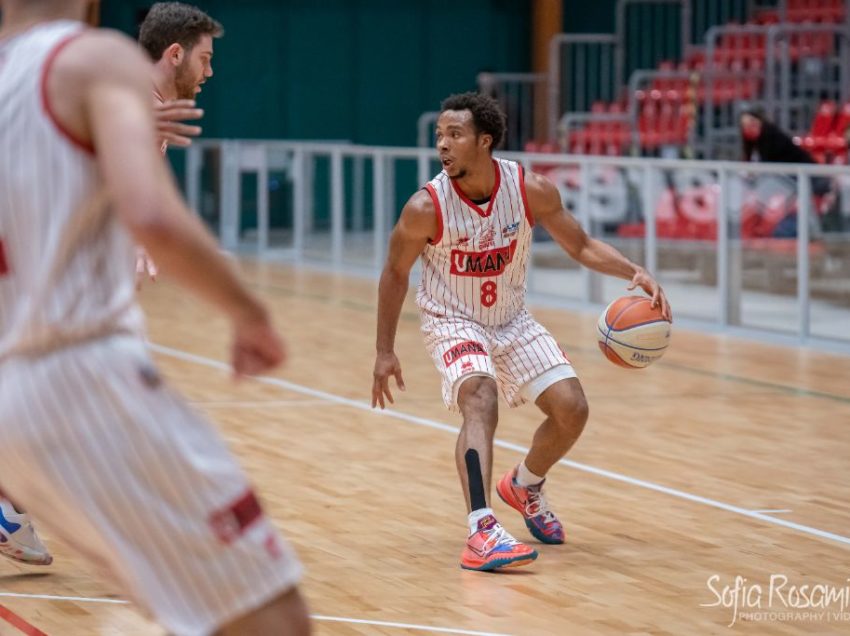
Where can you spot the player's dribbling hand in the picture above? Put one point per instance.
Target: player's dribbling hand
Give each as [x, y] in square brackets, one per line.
[648, 284]
[386, 364]
[257, 347]
[170, 116]
[144, 265]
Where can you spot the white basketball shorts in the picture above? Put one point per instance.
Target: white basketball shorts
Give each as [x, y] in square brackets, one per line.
[114, 463]
[521, 355]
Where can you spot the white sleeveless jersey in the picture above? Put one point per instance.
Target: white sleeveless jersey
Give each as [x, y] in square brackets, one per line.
[476, 266]
[66, 263]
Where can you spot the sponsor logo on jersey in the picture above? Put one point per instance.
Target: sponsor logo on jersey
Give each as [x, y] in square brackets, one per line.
[482, 264]
[510, 230]
[468, 348]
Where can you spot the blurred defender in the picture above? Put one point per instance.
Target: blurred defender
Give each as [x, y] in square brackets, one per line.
[90, 439]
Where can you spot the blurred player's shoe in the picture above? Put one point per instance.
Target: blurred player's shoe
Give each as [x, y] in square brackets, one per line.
[541, 521]
[18, 539]
[491, 547]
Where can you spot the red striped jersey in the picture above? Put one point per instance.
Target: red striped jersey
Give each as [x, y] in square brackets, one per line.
[476, 266]
[66, 263]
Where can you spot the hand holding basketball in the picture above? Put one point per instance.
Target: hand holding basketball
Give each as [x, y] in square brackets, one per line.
[647, 283]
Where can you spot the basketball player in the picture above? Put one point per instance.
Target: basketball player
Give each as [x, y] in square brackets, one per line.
[90, 438]
[472, 226]
[178, 37]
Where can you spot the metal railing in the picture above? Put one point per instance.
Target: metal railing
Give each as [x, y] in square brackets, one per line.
[709, 277]
[581, 70]
[517, 93]
[655, 45]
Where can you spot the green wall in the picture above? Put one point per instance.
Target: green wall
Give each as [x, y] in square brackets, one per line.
[359, 70]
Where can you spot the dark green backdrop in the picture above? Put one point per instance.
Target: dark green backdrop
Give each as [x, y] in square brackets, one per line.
[359, 70]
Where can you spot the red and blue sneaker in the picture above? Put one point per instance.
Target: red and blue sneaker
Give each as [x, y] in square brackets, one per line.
[492, 547]
[529, 500]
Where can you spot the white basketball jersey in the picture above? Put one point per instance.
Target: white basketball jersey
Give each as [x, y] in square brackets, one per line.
[477, 265]
[66, 263]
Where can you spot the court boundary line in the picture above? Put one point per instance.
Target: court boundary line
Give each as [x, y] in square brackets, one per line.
[19, 623]
[412, 316]
[601, 472]
[315, 617]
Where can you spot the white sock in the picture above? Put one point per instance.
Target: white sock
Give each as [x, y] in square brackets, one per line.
[475, 516]
[526, 478]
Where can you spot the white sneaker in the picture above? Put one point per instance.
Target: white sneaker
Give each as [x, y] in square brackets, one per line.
[18, 540]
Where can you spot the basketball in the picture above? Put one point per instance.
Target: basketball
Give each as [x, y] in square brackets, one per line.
[631, 333]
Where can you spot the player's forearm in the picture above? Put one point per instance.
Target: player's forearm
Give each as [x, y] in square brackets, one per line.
[183, 249]
[603, 258]
[391, 292]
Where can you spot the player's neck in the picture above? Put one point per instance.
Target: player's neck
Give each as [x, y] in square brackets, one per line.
[164, 84]
[20, 17]
[478, 182]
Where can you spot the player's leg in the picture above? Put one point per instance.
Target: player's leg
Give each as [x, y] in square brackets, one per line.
[489, 546]
[535, 369]
[286, 615]
[460, 352]
[477, 399]
[565, 407]
[18, 538]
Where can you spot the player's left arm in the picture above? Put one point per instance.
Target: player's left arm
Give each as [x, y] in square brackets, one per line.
[547, 209]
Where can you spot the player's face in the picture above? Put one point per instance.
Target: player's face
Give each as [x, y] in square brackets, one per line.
[195, 68]
[459, 144]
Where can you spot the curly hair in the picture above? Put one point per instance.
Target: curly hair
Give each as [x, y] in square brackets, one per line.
[170, 22]
[487, 115]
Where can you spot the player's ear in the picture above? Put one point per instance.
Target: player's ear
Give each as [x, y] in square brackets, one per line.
[486, 141]
[175, 54]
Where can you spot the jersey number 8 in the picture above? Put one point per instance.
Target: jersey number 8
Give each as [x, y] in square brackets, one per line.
[488, 294]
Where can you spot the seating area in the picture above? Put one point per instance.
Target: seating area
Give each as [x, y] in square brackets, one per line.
[666, 110]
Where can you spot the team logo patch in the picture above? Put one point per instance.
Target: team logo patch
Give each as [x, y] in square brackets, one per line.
[229, 523]
[468, 348]
[482, 264]
[487, 239]
[510, 230]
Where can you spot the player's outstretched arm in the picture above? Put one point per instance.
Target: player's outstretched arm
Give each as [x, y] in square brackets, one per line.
[100, 90]
[416, 226]
[548, 210]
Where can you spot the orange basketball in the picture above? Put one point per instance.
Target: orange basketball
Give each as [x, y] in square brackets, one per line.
[631, 333]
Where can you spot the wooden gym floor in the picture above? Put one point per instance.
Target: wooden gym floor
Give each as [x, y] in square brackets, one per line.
[724, 459]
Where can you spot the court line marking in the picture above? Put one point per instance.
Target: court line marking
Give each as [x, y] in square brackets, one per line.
[773, 512]
[260, 403]
[16, 621]
[315, 617]
[410, 316]
[421, 421]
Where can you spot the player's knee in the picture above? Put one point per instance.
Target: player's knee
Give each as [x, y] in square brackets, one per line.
[478, 399]
[571, 415]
